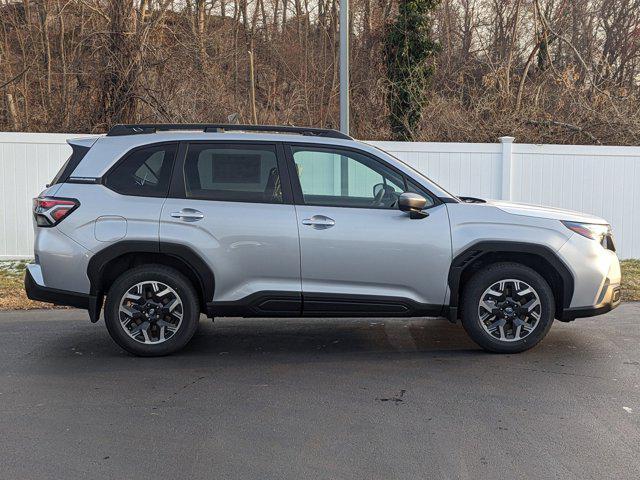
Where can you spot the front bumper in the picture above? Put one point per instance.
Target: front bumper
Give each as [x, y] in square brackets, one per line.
[596, 274]
[36, 290]
[612, 298]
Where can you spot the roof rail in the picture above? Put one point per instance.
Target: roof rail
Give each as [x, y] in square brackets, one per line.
[136, 129]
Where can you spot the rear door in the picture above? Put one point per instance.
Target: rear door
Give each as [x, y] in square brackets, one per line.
[232, 204]
[359, 253]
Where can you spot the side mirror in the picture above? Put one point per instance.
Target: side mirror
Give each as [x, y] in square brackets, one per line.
[413, 203]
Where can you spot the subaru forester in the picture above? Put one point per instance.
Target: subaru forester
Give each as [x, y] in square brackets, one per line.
[162, 223]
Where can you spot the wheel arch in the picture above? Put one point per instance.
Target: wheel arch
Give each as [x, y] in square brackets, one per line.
[540, 258]
[110, 262]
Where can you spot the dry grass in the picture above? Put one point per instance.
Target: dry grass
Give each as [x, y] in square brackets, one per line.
[12, 296]
[631, 280]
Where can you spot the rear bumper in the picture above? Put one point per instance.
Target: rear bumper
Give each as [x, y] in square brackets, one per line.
[36, 290]
[611, 300]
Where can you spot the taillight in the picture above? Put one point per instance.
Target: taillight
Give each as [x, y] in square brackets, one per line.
[50, 211]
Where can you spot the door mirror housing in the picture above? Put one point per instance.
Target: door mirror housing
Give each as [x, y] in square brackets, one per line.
[413, 203]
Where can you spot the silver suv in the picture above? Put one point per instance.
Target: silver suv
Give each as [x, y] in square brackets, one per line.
[170, 221]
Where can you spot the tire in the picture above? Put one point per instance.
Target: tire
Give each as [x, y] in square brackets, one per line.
[169, 325]
[503, 314]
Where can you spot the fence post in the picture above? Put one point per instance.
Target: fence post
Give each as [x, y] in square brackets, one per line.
[507, 164]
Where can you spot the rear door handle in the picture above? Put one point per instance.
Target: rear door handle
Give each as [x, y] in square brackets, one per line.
[319, 222]
[188, 215]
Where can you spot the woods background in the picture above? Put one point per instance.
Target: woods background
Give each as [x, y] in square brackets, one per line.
[544, 71]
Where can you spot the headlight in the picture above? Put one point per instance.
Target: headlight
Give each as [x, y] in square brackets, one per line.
[594, 231]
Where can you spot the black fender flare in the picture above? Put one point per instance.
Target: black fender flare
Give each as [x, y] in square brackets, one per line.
[97, 264]
[476, 251]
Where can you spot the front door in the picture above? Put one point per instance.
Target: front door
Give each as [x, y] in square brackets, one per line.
[359, 253]
[231, 204]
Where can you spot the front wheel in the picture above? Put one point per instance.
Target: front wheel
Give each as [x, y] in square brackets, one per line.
[151, 310]
[507, 308]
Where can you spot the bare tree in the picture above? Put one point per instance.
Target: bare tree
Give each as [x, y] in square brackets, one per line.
[561, 71]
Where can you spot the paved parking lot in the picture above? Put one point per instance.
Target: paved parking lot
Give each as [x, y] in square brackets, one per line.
[332, 399]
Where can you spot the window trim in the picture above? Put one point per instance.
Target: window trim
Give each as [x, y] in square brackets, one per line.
[177, 188]
[103, 179]
[297, 188]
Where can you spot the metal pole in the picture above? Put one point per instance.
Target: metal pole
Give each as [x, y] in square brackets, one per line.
[344, 66]
[252, 92]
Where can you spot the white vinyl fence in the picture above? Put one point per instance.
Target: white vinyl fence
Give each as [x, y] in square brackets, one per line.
[600, 180]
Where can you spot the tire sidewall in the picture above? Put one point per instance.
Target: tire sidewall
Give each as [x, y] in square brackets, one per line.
[165, 275]
[484, 279]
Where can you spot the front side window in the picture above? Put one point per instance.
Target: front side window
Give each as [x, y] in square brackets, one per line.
[413, 187]
[343, 178]
[232, 173]
[145, 172]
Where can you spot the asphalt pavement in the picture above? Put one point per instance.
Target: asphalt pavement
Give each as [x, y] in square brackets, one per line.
[319, 399]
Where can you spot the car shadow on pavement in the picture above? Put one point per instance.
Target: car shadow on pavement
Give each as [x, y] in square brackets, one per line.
[329, 336]
[359, 336]
[302, 340]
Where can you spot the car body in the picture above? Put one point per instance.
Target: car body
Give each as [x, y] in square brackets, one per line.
[294, 222]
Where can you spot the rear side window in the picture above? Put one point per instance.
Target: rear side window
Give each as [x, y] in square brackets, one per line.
[145, 172]
[78, 153]
[240, 173]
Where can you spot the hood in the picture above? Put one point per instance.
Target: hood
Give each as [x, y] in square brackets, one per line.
[545, 212]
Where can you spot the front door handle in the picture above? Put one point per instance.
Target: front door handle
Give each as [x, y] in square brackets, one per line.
[188, 215]
[319, 222]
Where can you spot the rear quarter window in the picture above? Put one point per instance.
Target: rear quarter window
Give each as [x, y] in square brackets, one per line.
[144, 172]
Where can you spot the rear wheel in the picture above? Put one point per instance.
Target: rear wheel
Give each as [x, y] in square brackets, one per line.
[152, 310]
[507, 308]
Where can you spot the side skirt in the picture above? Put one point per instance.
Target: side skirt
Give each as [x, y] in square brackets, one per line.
[293, 304]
